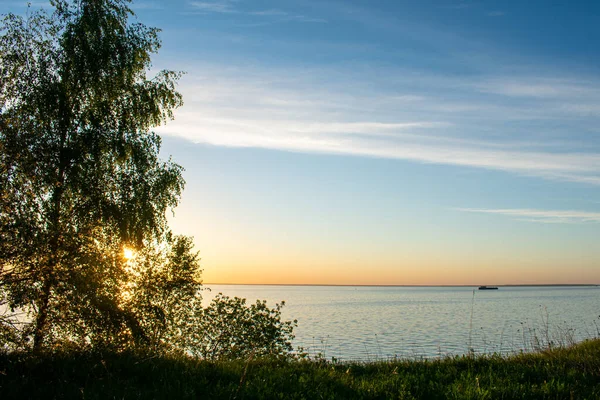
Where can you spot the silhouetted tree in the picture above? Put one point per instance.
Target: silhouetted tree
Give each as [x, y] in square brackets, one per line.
[80, 175]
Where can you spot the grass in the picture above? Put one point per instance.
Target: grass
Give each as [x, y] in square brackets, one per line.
[562, 373]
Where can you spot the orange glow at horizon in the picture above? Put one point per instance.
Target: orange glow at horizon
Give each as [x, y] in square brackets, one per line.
[236, 253]
[413, 273]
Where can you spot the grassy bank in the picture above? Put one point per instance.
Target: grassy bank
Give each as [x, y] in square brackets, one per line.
[560, 373]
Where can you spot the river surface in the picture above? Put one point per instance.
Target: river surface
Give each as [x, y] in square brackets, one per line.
[375, 323]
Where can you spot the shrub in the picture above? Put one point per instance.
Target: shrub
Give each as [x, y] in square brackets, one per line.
[230, 329]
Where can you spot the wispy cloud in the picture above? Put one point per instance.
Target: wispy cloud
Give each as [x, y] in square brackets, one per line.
[223, 6]
[304, 18]
[426, 119]
[541, 88]
[270, 12]
[272, 15]
[545, 216]
[146, 5]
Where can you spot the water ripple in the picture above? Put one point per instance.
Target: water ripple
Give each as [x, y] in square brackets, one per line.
[370, 323]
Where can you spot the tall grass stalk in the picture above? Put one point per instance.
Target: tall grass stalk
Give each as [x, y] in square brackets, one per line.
[471, 350]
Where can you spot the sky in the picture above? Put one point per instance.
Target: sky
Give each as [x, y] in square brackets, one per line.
[385, 142]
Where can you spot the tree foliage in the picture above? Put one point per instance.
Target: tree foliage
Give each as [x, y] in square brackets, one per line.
[162, 288]
[80, 174]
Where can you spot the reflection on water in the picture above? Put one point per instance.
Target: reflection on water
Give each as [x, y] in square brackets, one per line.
[369, 323]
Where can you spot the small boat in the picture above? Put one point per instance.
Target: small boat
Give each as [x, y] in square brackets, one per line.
[488, 287]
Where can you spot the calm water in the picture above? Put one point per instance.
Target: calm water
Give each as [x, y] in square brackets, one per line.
[369, 323]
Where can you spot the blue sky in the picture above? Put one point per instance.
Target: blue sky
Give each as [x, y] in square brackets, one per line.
[386, 142]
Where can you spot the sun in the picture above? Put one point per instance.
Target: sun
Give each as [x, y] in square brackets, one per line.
[128, 253]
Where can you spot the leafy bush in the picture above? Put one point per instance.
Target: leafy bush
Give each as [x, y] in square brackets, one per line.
[230, 329]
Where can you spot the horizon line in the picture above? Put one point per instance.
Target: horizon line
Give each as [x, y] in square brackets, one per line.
[400, 285]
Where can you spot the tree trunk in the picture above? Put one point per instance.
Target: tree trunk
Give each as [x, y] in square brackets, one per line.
[41, 320]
